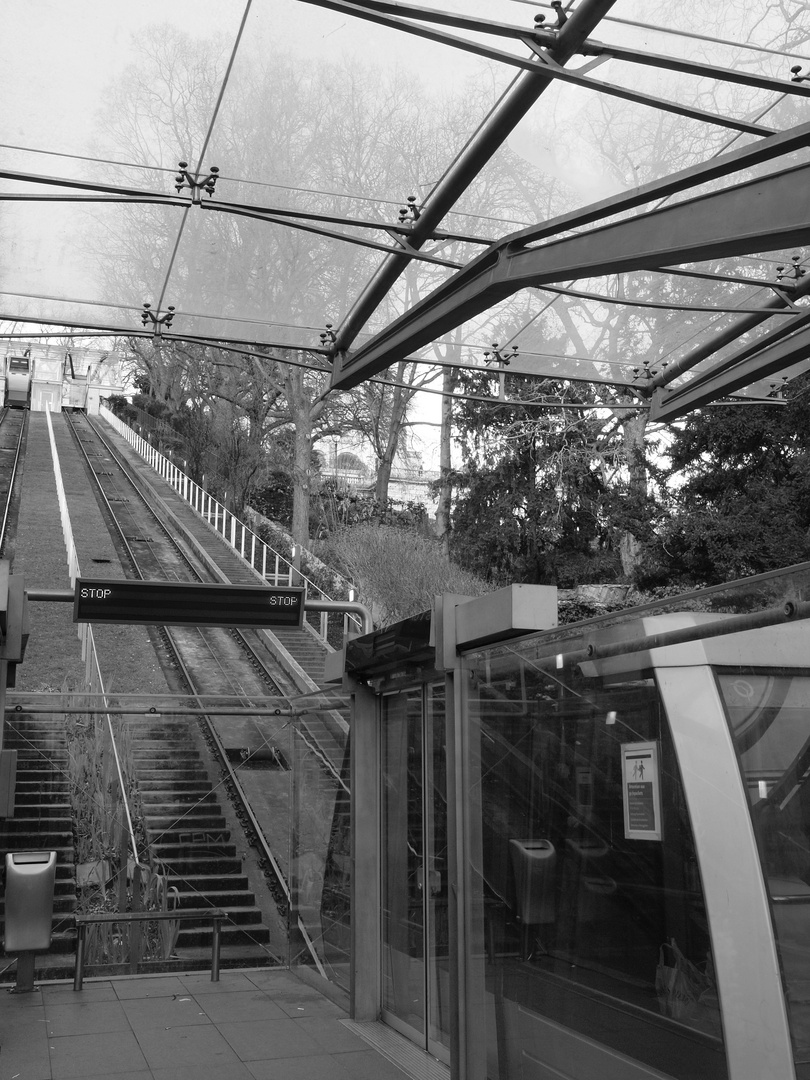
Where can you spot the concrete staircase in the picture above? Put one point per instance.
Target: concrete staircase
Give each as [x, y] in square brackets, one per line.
[307, 650]
[43, 821]
[189, 835]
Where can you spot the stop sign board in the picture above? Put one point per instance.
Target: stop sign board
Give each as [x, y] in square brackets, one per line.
[171, 603]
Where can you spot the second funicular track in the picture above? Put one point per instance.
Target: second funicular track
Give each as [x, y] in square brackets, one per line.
[234, 666]
[13, 430]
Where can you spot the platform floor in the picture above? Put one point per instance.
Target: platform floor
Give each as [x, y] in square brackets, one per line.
[251, 1025]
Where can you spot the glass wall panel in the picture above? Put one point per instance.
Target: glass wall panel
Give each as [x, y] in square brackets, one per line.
[769, 716]
[415, 933]
[586, 882]
[435, 872]
[320, 847]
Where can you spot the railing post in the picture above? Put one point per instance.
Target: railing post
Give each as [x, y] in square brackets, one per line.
[215, 943]
[78, 974]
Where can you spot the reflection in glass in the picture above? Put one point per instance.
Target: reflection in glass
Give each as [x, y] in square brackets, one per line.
[320, 848]
[586, 926]
[414, 843]
[769, 714]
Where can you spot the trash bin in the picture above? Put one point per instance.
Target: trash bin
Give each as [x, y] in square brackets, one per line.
[30, 879]
[533, 862]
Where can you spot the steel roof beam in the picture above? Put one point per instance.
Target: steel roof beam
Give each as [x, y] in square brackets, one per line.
[759, 215]
[492, 134]
[670, 403]
[783, 302]
[779, 145]
[546, 62]
[545, 37]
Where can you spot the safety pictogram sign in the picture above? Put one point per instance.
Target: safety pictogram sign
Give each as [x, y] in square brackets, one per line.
[641, 791]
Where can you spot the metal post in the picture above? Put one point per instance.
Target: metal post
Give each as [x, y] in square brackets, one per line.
[78, 974]
[25, 973]
[3, 677]
[215, 942]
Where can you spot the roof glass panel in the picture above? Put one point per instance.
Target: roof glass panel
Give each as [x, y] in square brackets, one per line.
[315, 139]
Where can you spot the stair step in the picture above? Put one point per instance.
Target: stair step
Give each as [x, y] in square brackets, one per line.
[190, 810]
[191, 852]
[185, 823]
[34, 811]
[168, 797]
[251, 934]
[179, 866]
[209, 884]
[221, 898]
[160, 784]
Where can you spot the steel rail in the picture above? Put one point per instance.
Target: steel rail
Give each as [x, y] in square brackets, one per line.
[253, 655]
[210, 732]
[13, 477]
[235, 788]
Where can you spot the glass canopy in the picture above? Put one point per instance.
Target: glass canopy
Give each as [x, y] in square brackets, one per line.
[607, 192]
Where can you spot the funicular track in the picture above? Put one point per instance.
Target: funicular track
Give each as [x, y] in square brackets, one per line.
[13, 430]
[233, 665]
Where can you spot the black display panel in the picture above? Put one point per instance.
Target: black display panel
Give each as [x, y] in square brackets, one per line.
[169, 603]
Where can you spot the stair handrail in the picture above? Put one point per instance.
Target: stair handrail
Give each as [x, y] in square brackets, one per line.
[206, 506]
[94, 682]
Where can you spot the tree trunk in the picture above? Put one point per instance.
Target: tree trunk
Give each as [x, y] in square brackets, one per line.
[301, 416]
[445, 463]
[384, 465]
[400, 399]
[633, 430]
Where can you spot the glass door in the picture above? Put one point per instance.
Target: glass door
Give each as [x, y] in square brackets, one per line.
[415, 937]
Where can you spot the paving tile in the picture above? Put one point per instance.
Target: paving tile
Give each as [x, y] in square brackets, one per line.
[56, 995]
[278, 980]
[330, 1035]
[298, 1008]
[24, 1044]
[147, 1014]
[222, 1071]
[107, 1053]
[141, 1074]
[192, 1046]
[21, 1067]
[161, 986]
[85, 1018]
[311, 1067]
[229, 983]
[32, 1000]
[369, 1065]
[257, 1039]
[20, 1031]
[253, 1005]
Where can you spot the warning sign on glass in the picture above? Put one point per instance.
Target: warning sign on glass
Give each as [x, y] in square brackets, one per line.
[641, 791]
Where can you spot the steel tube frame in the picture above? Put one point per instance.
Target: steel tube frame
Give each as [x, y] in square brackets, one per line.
[759, 215]
[492, 134]
[542, 35]
[736, 371]
[547, 64]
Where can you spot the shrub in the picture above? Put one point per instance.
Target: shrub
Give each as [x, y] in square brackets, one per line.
[398, 571]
